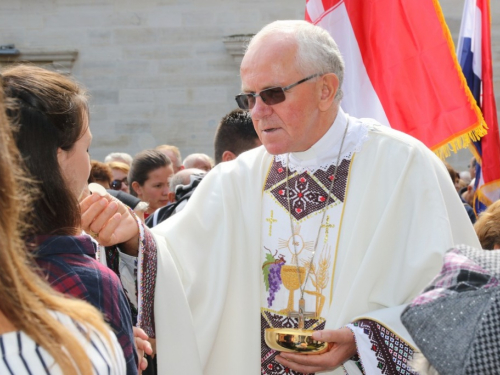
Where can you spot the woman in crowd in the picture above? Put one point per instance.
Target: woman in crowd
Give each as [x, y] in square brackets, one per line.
[40, 330]
[100, 173]
[50, 116]
[149, 178]
[120, 173]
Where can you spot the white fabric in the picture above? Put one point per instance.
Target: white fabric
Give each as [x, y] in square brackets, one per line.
[21, 355]
[127, 265]
[325, 152]
[402, 214]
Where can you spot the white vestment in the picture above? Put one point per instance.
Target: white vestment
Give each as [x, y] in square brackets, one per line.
[401, 215]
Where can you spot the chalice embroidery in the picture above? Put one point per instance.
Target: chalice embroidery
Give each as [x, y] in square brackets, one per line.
[293, 276]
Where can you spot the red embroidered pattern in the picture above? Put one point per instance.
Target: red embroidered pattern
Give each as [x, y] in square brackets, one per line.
[392, 353]
[306, 194]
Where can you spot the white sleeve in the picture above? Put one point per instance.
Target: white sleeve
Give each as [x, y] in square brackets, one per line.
[128, 269]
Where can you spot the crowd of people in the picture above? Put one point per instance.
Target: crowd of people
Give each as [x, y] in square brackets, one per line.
[306, 217]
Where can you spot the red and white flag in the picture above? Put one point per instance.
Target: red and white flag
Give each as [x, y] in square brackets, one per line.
[401, 69]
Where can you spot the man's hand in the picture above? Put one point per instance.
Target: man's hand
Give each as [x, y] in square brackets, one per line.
[142, 346]
[342, 347]
[110, 222]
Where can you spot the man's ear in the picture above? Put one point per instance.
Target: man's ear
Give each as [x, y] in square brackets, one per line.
[171, 197]
[329, 88]
[228, 155]
[137, 188]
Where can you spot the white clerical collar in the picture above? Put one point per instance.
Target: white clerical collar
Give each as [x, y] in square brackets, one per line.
[325, 151]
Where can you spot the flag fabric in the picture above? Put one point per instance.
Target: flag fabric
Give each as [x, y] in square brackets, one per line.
[401, 69]
[474, 55]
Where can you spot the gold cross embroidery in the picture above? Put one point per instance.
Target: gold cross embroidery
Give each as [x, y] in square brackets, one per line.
[271, 221]
[327, 227]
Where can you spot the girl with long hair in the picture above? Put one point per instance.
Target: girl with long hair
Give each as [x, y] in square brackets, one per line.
[49, 114]
[40, 330]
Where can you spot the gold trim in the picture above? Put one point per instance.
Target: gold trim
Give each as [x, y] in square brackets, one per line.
[474, 132]
[267, 175]
[340, 227]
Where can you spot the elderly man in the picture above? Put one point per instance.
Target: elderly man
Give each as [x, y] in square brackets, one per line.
[341, 218]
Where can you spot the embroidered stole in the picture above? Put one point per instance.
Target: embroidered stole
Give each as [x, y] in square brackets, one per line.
[280, 277]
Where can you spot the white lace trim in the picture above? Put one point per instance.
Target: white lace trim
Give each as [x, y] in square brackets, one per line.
[356, 136]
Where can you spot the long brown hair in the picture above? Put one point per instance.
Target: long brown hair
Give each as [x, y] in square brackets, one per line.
[26, 299]
[46, 110]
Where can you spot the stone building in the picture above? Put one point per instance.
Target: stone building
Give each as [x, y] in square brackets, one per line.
[158, 71]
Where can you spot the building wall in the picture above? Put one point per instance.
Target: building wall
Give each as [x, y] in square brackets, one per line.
[158, 70]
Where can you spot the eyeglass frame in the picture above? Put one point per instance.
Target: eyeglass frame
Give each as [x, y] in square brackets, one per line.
[283, 89]
[124, 180]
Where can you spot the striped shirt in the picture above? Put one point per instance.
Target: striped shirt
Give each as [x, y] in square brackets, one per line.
[20, 355]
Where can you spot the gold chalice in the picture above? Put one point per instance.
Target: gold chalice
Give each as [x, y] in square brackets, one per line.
[292, 282]
[291, 340]
[294, 340]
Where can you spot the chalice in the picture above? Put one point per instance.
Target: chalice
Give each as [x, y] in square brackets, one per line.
[294, 340]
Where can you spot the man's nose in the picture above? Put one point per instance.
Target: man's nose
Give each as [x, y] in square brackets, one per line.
[260, 109]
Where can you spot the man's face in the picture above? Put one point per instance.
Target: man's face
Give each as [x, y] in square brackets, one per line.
[291, 125]
[472, 168]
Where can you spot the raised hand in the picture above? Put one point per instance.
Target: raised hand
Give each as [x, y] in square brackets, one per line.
[110, 222]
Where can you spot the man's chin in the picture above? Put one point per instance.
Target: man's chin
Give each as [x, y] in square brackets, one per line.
[274, 149]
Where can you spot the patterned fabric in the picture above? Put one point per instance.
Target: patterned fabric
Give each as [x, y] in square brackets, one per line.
[391, 353]
[271, 320]
[456, 321]
[286, 254]
[147, 284]
[308, 192]
[20, 355]
[144, 275]
[459, 274]
[69, 265]
[485, 358]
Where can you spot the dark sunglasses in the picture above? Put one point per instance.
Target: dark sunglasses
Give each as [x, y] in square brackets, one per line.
[117, 184]
[270, 96]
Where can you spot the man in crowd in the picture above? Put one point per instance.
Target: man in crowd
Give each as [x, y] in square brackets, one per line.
[234, 135]
[182, 186]
[336, 220]
[198, 160]
[174, 154]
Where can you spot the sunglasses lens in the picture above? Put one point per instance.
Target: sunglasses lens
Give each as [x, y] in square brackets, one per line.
[243, 101]
[116, 185]
[273, 95]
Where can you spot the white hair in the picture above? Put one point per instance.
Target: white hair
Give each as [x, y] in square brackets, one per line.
[317, 52]
[119, 156]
